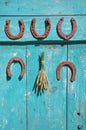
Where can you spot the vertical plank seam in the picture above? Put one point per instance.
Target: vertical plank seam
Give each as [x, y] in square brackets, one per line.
[67, 92]
[26, 93]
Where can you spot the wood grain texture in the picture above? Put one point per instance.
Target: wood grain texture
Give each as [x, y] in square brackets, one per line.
[13, 91]
[49, 7]
[77, 89]
[48, 110]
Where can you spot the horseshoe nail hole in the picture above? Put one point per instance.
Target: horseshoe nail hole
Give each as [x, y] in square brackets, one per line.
[7, 23]
[61, 19]
[79, 127]
[78, 114]
[73, 19]
[66, 36]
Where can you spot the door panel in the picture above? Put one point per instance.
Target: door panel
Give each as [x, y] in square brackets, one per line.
[77, 89]
[13, 91]
[48, 110]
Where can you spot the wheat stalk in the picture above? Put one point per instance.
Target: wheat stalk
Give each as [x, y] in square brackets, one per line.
[42, 79]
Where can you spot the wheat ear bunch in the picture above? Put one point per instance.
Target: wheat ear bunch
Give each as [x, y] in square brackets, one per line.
[42, 80]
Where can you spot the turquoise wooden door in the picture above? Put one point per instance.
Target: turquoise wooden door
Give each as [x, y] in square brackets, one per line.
[63, 105]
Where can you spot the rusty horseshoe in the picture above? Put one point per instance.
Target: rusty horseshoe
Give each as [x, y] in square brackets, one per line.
[8, 33]
[47, 29]
[15, 59]
[70, 65]
[59, 30]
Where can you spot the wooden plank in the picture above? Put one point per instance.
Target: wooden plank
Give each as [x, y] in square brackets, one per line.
[13, 91]
[50, 7]
[48, 111]
[77, 89]
[40, 28]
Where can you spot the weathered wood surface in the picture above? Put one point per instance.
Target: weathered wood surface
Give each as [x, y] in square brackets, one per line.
[40, 28]
[49, 7]
[63, 105]
[77, 90]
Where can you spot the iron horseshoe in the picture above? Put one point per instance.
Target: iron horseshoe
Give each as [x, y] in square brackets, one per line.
[70, 65]
[47, 29]
[16, 59]
[8, 33]
[59, 30]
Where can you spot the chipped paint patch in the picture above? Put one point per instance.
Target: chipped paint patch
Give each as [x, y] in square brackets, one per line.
[27, 94]
[3, 102]
[52, 89]
[71, 89]
[64, 82]
[15, 54]
[71, 50]
[57, 1]
[28, 54]
[56, 52]
[50, 46]
[5, 122]
[50, 56]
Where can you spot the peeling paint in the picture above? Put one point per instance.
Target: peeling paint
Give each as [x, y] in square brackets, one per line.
[27, 94]
[56, 52]
[64, 82]
[15, 54]
[28, 54]
[57, 1]
[5, 122]
[50, 46]
[3, 102]
[49, 55]
[71, 89]
[52, 89]
[71, 50]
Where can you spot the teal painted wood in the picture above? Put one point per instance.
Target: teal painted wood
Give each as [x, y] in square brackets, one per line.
[13, 91]
[77, 89]
[40, 28]
[20, 107]
[48, 111]
[49, 7]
